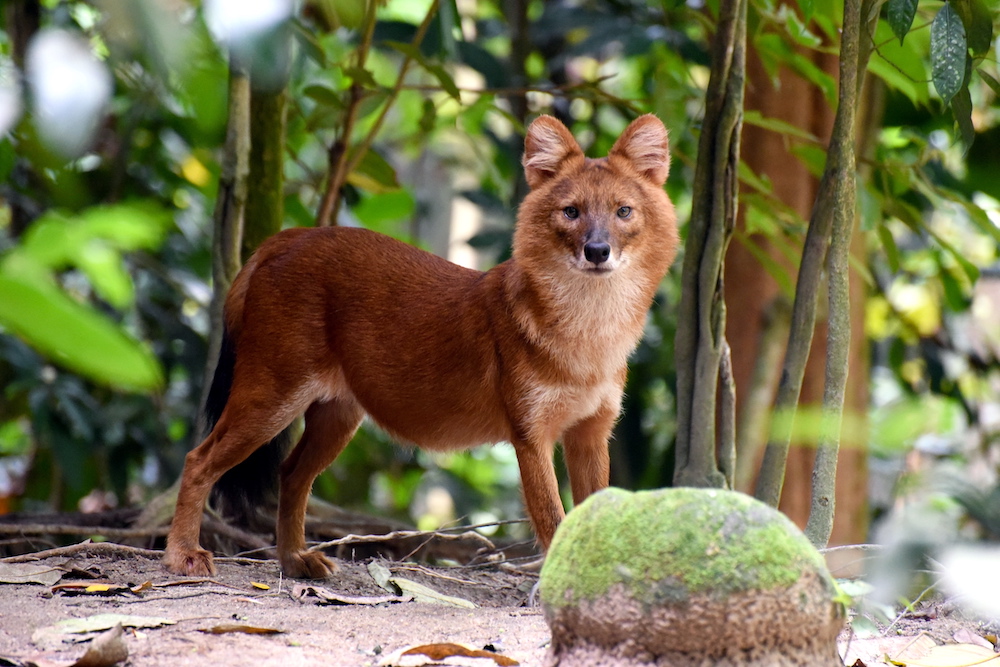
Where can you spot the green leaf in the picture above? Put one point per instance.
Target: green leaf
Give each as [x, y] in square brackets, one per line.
[807, 7]
[341, 13]
[961, 107]
[428, 116]
[890, 247]
[374, 174]
[778, 272]
[978, 217]
[308, 43]
[376, 211]
[56, 240]
[749, 177]
[105, 271]
[900, 15]
[361, 76]
[949, 51]
[445, 79]
[813, 157]
[75, 336]
[323, 94]
[955, 295]
[754, 117]
[978, 24]
[8, 157]
[990, 80]
[971, 270]
[901, 66]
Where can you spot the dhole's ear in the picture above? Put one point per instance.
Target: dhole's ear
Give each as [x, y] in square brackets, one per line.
[547, 145]
[644, 144]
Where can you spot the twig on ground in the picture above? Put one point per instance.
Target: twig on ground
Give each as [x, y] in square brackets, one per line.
[404, 534]
[66, 529]
[851, 547]
[89, 548]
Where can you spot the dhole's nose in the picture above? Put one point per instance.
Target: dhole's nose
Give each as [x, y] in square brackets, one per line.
[597, 253]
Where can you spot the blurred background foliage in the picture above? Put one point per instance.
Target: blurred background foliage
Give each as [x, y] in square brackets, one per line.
[112, 117]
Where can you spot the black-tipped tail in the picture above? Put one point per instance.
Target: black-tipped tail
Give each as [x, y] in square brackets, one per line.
[253, 484]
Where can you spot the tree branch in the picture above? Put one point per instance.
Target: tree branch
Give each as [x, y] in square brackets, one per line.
[347, 160]
[330, 204]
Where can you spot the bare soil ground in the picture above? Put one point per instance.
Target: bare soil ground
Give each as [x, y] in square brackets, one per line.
[310, 633]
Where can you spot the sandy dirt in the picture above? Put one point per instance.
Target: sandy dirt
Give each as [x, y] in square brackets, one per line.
[327, 634]
[311, 634]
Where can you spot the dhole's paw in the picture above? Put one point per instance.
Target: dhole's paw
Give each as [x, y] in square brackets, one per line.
[307, 565]
[190, 562]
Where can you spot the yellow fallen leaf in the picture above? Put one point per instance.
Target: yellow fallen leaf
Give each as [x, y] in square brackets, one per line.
[957, 655]
[263, 587]
[144, 586]
[98, 588]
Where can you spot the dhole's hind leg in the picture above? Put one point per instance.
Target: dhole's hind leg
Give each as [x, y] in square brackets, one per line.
[224, 448]
[329, 427]
[239, 432]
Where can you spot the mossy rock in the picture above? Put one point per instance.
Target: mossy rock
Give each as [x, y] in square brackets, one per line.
[678, 576]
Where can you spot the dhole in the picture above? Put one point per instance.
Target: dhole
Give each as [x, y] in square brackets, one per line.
[340, 322]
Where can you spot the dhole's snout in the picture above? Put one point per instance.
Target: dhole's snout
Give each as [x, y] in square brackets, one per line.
[597, 255]
[597, 252]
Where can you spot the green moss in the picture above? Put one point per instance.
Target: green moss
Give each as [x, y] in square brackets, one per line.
[668, 544]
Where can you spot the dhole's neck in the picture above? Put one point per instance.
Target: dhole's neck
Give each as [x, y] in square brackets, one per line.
[573, 315]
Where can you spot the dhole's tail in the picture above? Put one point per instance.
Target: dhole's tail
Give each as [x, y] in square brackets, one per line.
[254, 483]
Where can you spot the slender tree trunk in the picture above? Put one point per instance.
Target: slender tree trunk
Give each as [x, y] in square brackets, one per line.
[752, 297]
[701, 351]
[22, 20]
[265, 209]
[230, 207]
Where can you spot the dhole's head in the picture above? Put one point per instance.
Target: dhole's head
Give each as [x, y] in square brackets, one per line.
[596, 217]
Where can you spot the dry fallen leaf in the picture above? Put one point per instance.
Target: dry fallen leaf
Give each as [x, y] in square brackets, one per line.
[966, 636]
[90, 588]
[445, 654]
[325, 596]
[957, 655]
[423, 593]
[873, 651]
[383, 577]
[76, 630]
[144, 586]
[106, 650]
[263, 587]
[29, 573]
[245, 629]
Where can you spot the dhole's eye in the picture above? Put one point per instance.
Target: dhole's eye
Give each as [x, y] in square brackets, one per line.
[624, 211]
[571, 212]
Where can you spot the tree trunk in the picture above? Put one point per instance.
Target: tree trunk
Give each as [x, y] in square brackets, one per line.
[753, 300]
[705, 447]
[265, 208]
[230, 207]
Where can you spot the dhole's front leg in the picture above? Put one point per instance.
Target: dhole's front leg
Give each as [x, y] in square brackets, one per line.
[541, 488]
[585, 446]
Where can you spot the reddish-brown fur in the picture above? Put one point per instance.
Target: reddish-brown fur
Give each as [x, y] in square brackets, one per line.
[339, 322]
